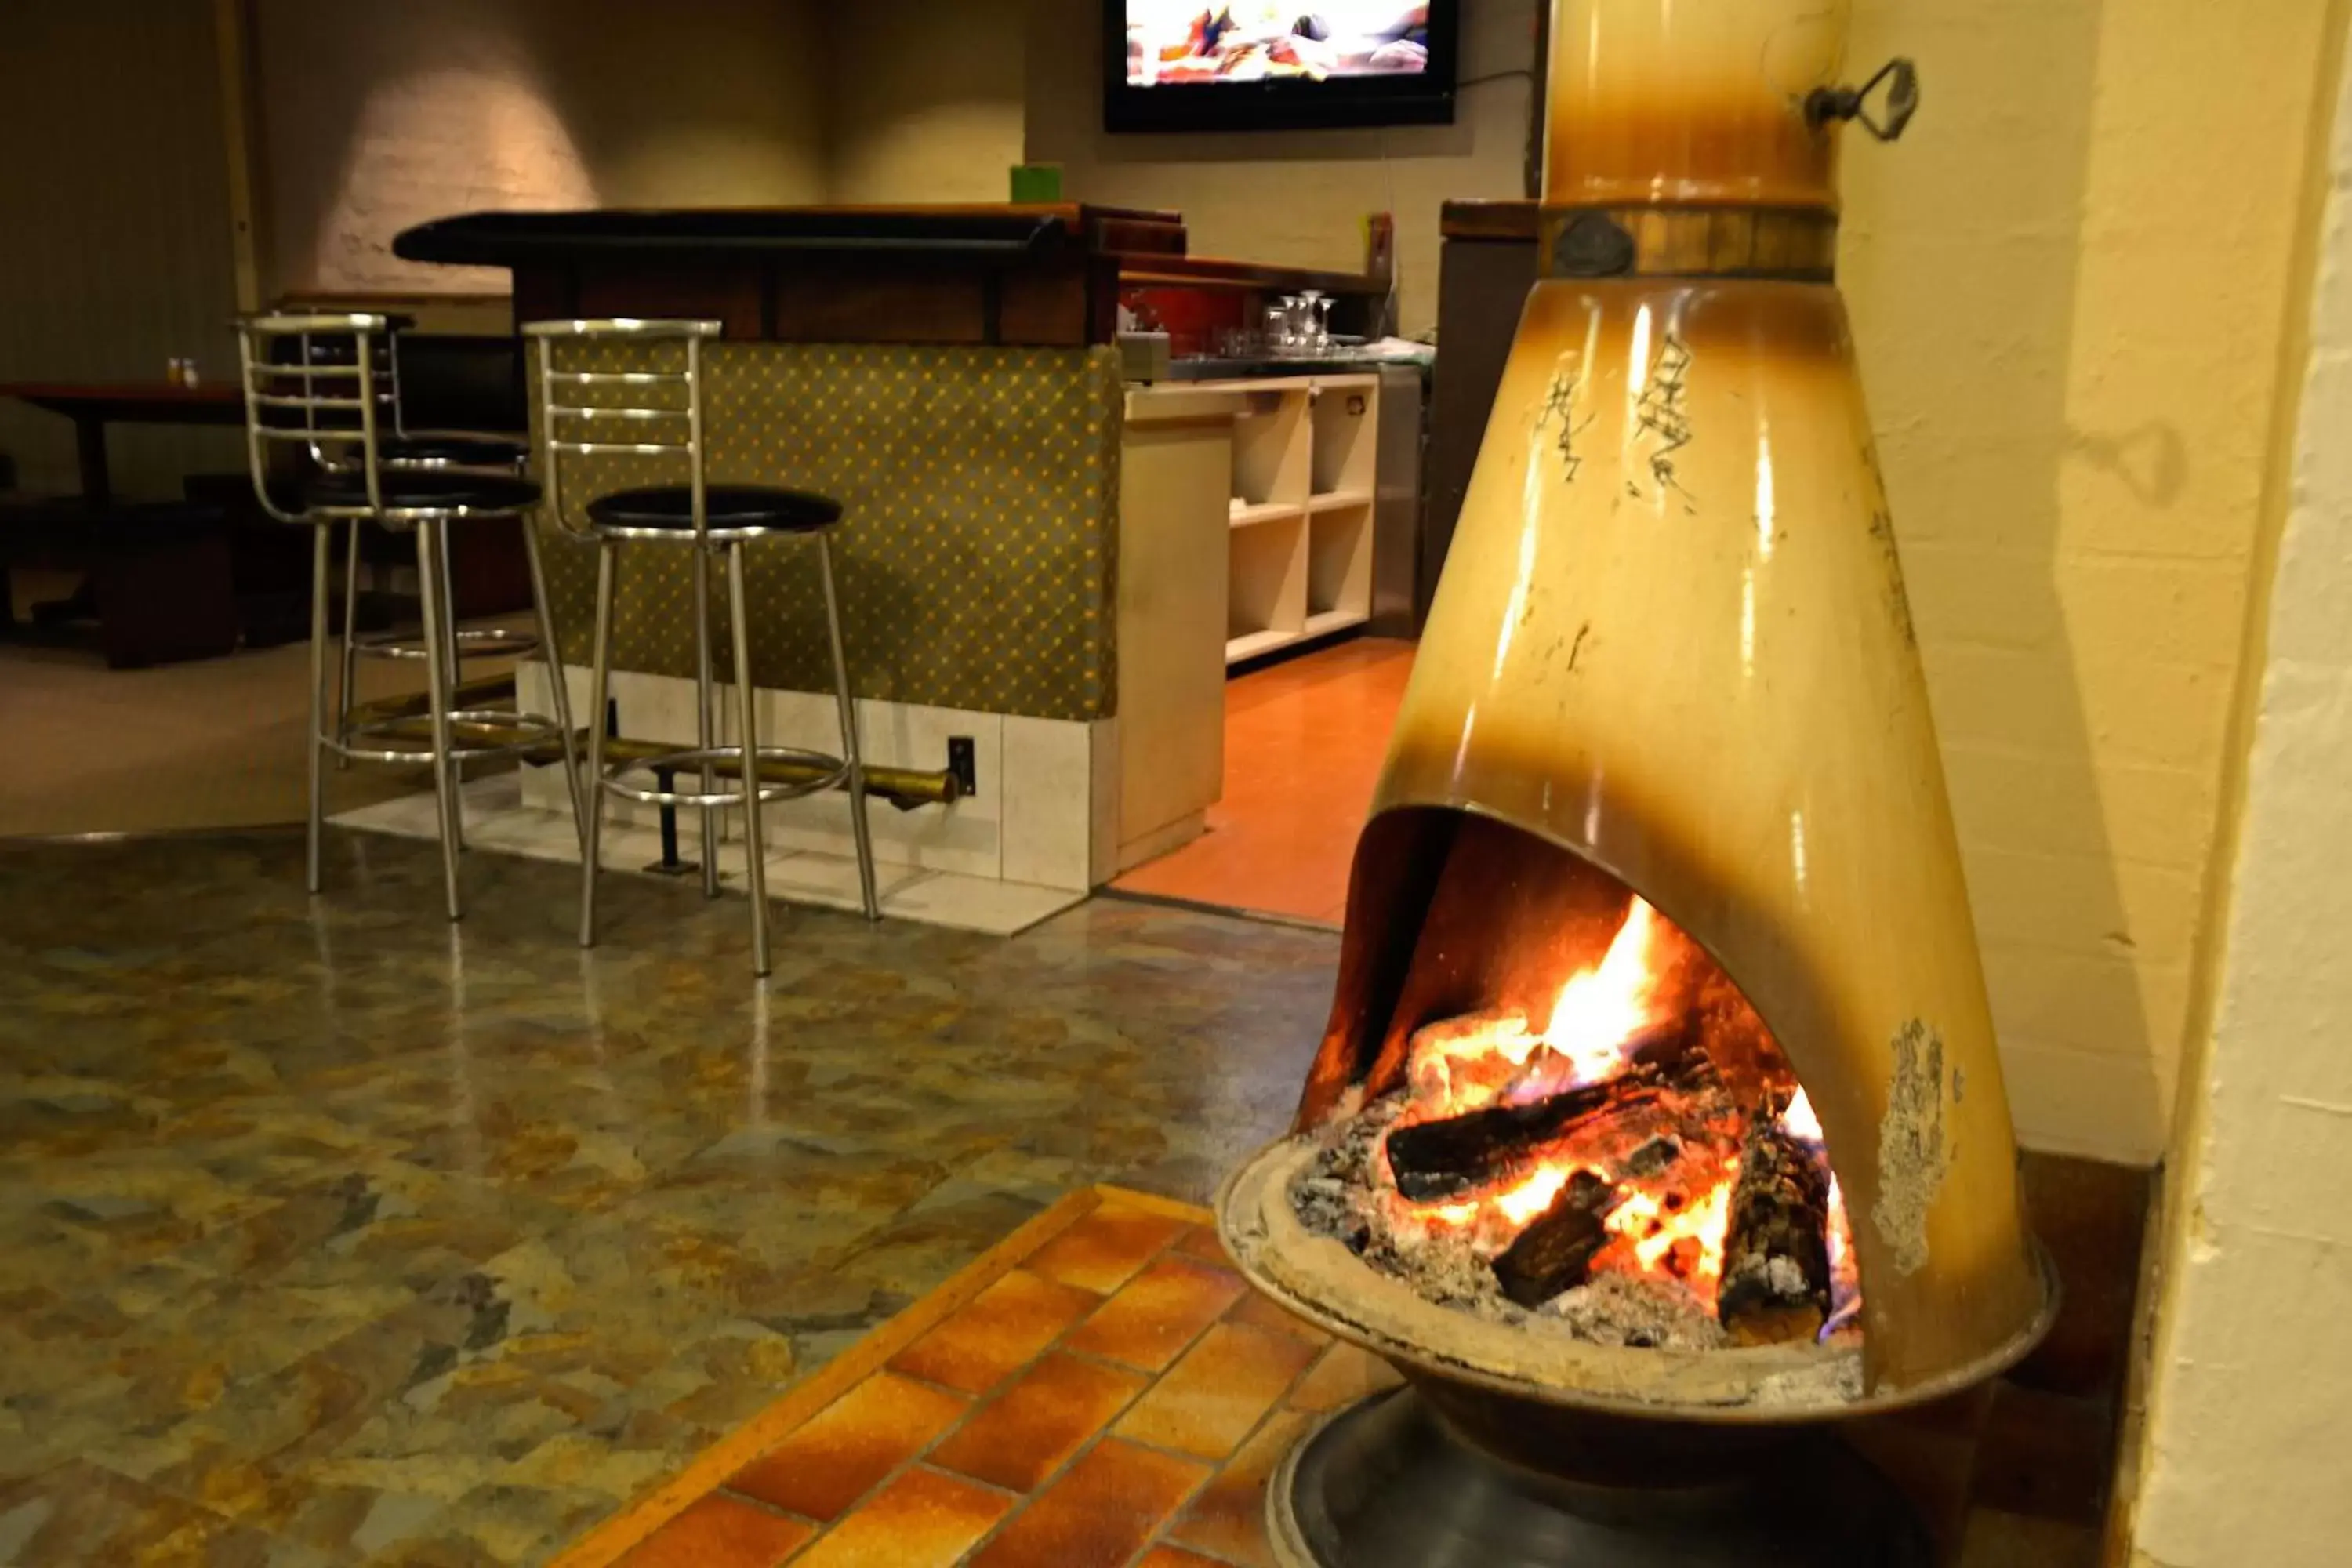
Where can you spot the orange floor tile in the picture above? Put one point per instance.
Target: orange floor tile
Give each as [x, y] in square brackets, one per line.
[1103, 1389]
[1304, 743]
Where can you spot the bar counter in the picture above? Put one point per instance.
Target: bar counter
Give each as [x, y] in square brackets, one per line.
[1033, 556]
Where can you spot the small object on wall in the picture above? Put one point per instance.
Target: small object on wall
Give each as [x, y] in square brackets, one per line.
[1380, 245]
[1036, 185]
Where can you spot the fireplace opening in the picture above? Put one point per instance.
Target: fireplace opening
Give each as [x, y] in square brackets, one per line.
[1577, 1125]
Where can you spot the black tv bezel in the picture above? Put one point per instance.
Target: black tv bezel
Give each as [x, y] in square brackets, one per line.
[1425, 99]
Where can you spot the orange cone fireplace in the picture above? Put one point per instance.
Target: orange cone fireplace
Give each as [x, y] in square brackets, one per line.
[1660, 1097]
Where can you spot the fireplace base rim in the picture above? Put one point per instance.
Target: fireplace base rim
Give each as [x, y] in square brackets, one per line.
[1317, 1278]
[1387, 1483]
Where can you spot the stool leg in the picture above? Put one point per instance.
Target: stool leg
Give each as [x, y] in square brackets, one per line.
[755, 874]
[452, 669]
[322, 545]
[593, 783]
[431, 540]
[704, 726]
[351, 648]
[560, 692]
[849, 749]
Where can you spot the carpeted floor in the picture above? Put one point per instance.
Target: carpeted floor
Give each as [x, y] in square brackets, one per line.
[211, 743]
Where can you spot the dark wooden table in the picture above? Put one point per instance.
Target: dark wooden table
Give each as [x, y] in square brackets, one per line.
[160, 583]
[93, 406]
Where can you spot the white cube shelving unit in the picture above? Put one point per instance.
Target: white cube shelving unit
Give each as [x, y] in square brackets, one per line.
[1301, 556]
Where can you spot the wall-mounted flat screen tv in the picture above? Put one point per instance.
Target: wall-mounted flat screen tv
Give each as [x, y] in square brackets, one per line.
[1260, 65]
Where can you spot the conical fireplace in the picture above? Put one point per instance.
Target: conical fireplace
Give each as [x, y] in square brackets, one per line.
[1658, 1126]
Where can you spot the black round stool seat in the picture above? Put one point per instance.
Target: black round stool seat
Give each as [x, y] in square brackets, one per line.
[456, 451]
[726, 509]
[426, 490]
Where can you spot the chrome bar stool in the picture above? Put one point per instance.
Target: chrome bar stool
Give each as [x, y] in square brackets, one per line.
[313, 383]
[405, 449]
[658, 413]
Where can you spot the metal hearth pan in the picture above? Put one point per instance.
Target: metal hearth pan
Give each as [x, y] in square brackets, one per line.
[1317, 1278]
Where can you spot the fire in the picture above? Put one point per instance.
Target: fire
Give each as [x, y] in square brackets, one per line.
[1799, 1120]
[1497, 1056]
[1845, 1276]
[1599, 1009]
[1668, 1153]
[1517, 1205]
[1658, 1235]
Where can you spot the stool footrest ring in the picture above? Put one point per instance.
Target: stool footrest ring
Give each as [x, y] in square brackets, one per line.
[514, 734]
[483, 642]
[691, 761]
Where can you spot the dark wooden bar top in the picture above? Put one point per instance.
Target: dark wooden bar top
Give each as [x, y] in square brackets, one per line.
[1002, 275]
[1042, 276]
[1502, 220]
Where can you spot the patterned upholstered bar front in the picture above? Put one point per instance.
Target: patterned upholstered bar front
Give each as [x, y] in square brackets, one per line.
[978, 552]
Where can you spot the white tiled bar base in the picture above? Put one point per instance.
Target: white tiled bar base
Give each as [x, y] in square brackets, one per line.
[1023, 846]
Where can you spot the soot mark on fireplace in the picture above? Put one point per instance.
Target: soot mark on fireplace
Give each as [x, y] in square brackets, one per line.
[1560, 410]
[1664, 412]
[1576, 650]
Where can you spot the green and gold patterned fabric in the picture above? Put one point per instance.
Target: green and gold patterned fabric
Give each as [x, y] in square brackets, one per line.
[976, 551]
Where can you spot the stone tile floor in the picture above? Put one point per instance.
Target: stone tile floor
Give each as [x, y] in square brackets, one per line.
[336, 1233]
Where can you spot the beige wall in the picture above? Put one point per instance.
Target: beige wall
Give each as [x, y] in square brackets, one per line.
[926, 100]
[2070, 284]
[114, 229]
[2242, 1458]
[1298, 198]
[376, 117]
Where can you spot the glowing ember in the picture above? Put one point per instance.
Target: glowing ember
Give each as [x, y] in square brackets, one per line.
[1685, 1244]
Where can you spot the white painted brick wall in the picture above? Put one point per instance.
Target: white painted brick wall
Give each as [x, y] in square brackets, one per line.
[2248, 1440]
[2075, 395]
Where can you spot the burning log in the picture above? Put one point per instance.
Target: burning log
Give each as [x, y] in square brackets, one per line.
[1443, 1159]
[1776, 1261]
[1555, 1252]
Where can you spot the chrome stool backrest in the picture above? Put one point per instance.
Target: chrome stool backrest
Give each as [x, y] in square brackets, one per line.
[335, 407]
[328, 382]
[636, 407]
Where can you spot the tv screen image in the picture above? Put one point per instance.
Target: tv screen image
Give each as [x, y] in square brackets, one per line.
[1246, 65]
[1179, 43]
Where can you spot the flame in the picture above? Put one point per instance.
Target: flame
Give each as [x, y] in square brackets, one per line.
[1800, 1123]
[1845, 1276]
[1599, 1009]
[1501, 1057]
[1669, 1226]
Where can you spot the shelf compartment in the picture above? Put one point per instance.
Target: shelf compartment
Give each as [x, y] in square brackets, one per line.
[1271, 457]
[1339, 562]
[1346, 421]
[1266, 582]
